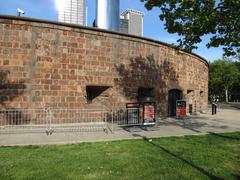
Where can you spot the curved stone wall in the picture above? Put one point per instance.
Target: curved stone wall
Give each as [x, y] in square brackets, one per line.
[50, 64]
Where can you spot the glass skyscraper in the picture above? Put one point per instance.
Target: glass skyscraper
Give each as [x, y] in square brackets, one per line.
[72, 12]
[131, 22]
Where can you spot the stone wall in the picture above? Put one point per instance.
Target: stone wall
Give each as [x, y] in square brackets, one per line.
[49, 64]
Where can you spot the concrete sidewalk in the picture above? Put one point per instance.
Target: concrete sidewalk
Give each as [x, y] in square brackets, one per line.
[225, 121]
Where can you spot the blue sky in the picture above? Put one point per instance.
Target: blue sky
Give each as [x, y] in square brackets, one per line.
[153, 27]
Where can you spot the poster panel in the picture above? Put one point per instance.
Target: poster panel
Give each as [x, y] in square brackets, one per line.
[149, 113]
[181, 108]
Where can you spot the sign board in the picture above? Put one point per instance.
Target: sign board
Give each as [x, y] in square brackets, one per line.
[132, 113]
[149, 113]
[181, 108]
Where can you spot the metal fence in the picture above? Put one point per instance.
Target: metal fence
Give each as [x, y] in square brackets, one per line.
[52, 120]
[22, 120]
[77, 120]
[59, 120]
[133, 117]
[127, 117]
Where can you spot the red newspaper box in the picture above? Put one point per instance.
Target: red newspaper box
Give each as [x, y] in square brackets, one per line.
[181, 108]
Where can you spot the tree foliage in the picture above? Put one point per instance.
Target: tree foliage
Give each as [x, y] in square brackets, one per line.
[223, 75]
[193, 19]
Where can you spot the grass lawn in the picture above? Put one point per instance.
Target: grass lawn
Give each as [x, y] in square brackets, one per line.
[213, 156]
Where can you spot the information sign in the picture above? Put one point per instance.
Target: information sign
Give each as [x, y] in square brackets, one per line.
[149, 113]
[181, 108]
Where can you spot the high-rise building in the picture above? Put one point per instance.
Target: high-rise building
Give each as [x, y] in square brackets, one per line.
[107, 14]
[72, 11]
[123, 25]
[131, 21]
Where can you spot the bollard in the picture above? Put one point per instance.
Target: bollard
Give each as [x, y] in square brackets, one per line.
[213, 109]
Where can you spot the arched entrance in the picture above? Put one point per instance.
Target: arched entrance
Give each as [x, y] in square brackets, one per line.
[173, 96]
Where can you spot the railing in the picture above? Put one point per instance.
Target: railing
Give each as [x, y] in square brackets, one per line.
[77, 120]
[127, 117]
[51, 120]
[15, 120]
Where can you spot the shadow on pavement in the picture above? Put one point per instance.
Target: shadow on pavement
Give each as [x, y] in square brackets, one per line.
[193, 123]
[236, 107]
[233, 106]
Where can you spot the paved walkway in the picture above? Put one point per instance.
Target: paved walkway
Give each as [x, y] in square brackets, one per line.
[226, 120]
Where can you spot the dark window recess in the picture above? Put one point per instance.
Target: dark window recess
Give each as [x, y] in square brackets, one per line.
[145, 92]
[95, 91]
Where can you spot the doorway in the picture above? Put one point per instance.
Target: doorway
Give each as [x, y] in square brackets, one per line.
[173, 96]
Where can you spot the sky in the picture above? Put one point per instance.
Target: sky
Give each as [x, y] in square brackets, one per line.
[153, 27]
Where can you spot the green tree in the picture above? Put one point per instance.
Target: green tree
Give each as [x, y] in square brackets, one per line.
[223, 75]
[192, 19]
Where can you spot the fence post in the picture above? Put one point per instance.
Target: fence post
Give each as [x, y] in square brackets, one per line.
[105, 121]
[47, 121]
[49, 130]
[112, 119]
[50, 120]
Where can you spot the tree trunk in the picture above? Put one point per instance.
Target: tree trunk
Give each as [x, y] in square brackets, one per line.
[226, 95]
